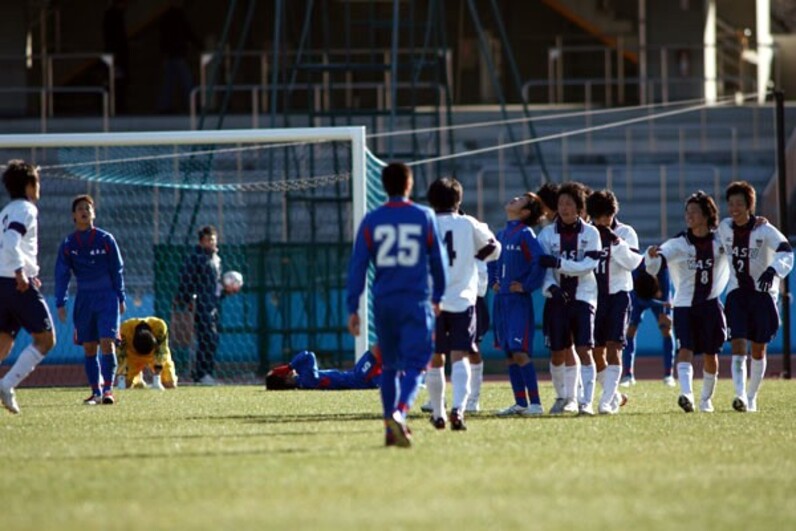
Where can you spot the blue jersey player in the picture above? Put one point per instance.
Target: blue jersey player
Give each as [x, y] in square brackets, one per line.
[93, 257]
[651, 293]
[303, 373]
[514, 276]
[402, 241]
[21, 303]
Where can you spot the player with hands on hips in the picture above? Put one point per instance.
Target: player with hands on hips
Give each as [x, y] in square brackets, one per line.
[760, 255]
[699, 269]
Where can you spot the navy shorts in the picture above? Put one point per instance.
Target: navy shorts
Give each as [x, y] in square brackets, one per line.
[481, 319]
[403, 328]
[701, 328]
[22, 310]
[751, 315]
[514, 322]
[611, 318]
[455, 331]
[96, 316]
[639, 306]
[569, 323]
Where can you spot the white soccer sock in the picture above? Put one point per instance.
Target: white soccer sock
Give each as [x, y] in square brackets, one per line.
[587, 373]
[570, 382]
[685, 375]
[708, 385]
[756, 375]
[460, 380]
[557, 376]
[435, 385]
[611, 377]
[26, 362]
[476, 378]
[739, 374]
[600, 378]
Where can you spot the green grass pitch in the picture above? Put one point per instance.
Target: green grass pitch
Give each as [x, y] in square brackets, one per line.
[243, 458]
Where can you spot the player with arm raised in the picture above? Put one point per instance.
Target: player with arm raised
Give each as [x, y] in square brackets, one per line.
[620, 256]
[21, 303]
[466, 241]
[514, 277]
[93, 256]
[700, 270]
[573, 250]
[402, 241]
[760, 255]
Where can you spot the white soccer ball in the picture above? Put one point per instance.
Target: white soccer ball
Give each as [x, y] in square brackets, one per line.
[232, 280]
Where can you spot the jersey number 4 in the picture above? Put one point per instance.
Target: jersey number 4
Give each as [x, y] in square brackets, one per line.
[398, 246]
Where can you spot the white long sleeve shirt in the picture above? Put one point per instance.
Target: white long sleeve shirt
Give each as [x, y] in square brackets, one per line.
[19, 245]
[618, 261]
[579, 249]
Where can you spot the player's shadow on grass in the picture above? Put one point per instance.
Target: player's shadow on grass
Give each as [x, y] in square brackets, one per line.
[289, 418]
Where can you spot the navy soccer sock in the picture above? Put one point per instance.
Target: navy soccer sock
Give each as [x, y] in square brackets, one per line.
[668, 355]
[629, 356]
[92, 366]
[531, 382]
[518, 385]
[108, 366]
[389, 391]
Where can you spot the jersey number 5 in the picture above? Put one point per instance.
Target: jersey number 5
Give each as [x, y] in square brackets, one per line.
[397, 245]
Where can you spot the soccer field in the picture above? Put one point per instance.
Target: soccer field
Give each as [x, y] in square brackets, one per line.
[242, 458]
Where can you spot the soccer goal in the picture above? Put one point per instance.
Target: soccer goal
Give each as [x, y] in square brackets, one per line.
[285, 203]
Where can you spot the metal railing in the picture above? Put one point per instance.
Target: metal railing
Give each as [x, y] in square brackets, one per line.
[46, 108]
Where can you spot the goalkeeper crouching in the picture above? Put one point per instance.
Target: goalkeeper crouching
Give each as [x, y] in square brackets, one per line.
[145, 343]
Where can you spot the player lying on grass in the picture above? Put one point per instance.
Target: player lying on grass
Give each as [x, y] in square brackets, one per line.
[303, 373]
[145, 343]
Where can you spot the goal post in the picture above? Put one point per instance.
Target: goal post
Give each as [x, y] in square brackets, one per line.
[286, 203]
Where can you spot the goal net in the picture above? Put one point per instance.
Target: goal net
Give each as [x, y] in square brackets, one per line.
[284, 201]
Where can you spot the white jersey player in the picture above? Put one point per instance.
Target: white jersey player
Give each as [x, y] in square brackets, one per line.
[620, 256]
[699, 269]
[467, 241]
[573, 248]
[21, 303]
[759, 256]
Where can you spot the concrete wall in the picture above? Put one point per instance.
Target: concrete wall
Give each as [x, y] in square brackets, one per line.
[12, 43]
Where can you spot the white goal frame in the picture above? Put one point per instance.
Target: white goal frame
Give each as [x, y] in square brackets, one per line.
[353, 134]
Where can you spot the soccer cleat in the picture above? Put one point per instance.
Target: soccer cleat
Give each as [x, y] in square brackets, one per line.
[751, 404]
[438, 423]
[533, 410]
[686, 403]
[570, 406]
[107, 398]
[706, 406]
[558, 406]
[93, 400]
[585, 410]
[619, 400]
[669, 381]
[513, 409]
[9, 399]
[627, 380]
[457, 421]
[607, 409]
[739, 404]
[396, 426]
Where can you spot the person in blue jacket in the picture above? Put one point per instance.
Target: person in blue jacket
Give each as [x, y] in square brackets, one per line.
[93, 257]
[303, 373]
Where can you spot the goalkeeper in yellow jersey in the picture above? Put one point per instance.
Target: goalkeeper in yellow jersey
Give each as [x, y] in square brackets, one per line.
[145, 343]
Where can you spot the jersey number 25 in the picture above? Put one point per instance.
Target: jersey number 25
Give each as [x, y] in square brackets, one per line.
[397, 245]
